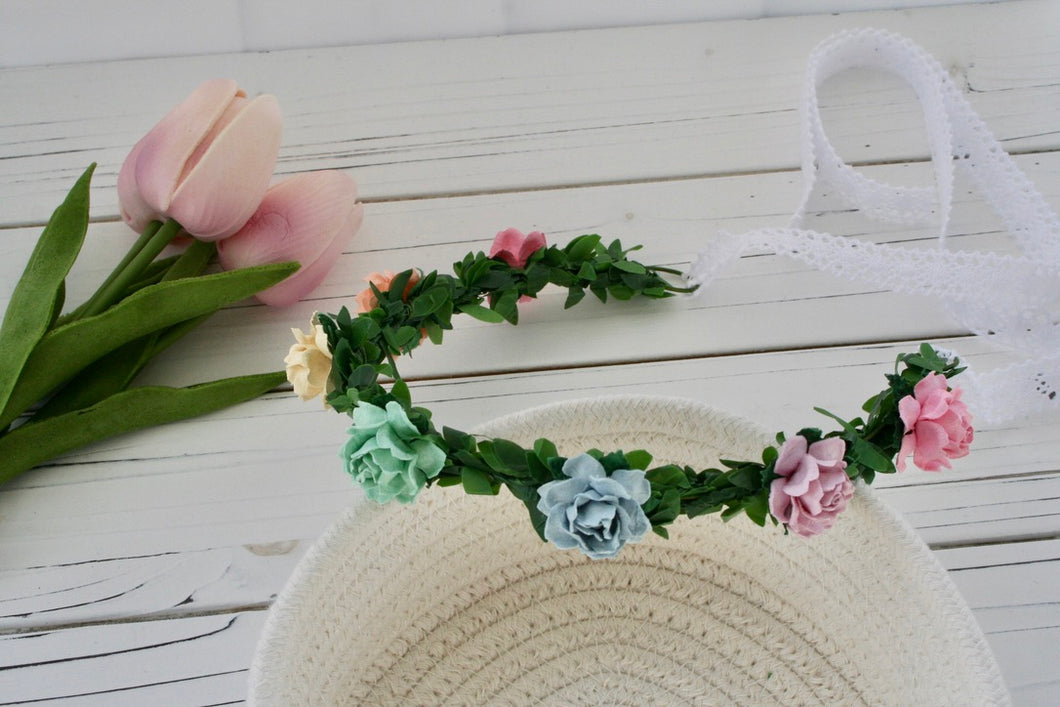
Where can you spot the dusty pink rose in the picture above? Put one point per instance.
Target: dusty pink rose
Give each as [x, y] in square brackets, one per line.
[366, 300]
[514, 248]
[813, 488]
[206, 164]
[938, 426]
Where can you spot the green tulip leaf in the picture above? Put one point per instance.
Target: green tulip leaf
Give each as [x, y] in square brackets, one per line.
[115, 371]
[64, 351]
[34, 303]
[38, 441]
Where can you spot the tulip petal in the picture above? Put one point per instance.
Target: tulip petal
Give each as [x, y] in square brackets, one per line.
[226, 186]
[310, 276]
[308, 218]
[166, 148]
[135, 211]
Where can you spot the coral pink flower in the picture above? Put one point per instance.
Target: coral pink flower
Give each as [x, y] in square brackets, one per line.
[813, 488]
[309, 218]
[514, 248]
[938, 426]
[366, 299]
[206, 164]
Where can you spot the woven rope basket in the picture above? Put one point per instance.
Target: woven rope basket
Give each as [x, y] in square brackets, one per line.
[455, 600]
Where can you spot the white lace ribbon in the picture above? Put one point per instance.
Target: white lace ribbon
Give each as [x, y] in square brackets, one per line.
[1014, 300]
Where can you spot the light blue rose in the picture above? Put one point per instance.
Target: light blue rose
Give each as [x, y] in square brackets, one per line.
[592, 511]
[387, 455]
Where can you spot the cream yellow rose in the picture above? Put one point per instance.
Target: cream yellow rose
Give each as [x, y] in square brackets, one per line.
[309, 362]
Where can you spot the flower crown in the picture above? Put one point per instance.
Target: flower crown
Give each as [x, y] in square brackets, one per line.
[595, 501]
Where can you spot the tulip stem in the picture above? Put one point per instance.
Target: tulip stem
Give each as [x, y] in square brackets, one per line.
[154, 239]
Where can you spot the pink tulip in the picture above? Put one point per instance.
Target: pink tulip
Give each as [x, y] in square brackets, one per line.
[206, 164]
[309, 218]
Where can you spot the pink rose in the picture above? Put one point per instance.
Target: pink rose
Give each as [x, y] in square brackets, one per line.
[366, 299]
[514, 248]
[938, 426]
[813, 488]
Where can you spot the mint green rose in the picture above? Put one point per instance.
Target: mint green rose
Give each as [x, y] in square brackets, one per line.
[387, 455]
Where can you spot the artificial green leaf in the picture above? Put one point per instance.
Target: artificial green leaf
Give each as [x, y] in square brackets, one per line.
[545, 449]
[115, 371]
[400, 390]
[485, 449]
[32, 308]
[582, 247]
[667, 476]
[537, 518]
[638, 459]
[429, 302]
[510, 454]
[448, 481]
[407, 337]
[613, 461]
[536, 277]
[482, 314]
[559, 276]
[434, 332]
[396, 289]
[476, 483]
[192, 261]
[507, 306]
[363, 376]
[57, 306]
[731, 512]
[756, 507]
[667, 507]
[745, 478]
[36, 442]
[456, 439]
[574, 296]
[868, 454]
[847, 426]
[64, 351]
[629, 266]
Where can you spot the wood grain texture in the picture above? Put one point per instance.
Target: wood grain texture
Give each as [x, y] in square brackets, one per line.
[537, 111]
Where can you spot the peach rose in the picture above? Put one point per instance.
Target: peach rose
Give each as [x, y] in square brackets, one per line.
[366, 299]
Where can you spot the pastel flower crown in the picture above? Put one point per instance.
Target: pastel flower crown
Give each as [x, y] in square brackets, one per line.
[595, 501]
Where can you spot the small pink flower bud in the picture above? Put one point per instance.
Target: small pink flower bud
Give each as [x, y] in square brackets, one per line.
[514, 248]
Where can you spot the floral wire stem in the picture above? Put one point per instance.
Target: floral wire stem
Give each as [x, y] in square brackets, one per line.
[395, 450]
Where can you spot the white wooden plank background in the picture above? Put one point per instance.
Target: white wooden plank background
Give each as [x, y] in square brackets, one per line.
[54, 31]
[138, 571]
